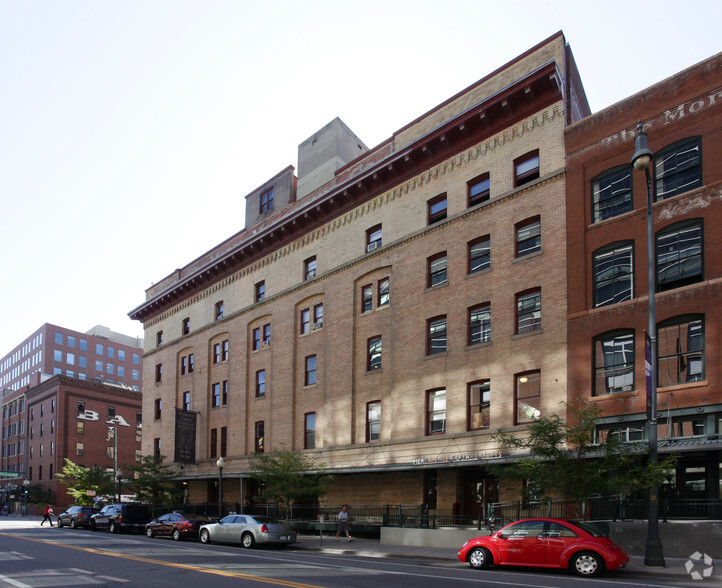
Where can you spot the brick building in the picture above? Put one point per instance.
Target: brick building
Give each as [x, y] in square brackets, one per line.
[387, 309]
[607, 270]
[99, 356]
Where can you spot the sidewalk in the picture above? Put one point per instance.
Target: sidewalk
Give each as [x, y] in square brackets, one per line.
[374, 548]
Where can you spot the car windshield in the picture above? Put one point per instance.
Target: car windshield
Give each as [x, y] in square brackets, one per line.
[588, 528]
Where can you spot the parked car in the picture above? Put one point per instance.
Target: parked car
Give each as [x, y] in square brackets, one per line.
[121, 517]
[546, 543]
[178, 525]
[76, 516]
[248, 531]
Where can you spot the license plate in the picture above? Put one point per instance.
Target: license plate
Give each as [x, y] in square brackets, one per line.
[284, 537]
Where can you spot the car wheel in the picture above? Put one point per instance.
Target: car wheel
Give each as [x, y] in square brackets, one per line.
[60, 523]
[92, 526]
[176, 535]
[587, 564]
[479, 558]
[113, 527]
[205, 536]
[247, 540]
[73, 524]
[149, 532]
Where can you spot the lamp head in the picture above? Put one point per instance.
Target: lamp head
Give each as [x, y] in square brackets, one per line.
[221, 463]
[642, 155]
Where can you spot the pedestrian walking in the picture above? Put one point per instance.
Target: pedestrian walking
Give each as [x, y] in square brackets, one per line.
[48, 516]
[343, 523]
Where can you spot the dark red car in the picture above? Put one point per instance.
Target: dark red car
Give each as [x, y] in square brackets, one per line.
[546, 543]
[179, 525]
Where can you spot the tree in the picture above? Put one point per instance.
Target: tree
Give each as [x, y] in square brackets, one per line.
[561, 459]
[289, 477]
[154, 482]
[83, 484]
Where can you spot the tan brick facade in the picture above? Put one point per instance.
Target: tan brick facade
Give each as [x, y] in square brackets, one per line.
[395, 468]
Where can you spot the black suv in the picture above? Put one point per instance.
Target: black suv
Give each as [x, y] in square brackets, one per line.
[121, 517]
[76, 516]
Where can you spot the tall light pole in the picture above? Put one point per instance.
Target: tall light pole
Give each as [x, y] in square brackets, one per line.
[643, 157]
[221, 463]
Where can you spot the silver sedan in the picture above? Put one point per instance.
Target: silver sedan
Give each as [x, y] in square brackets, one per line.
[248, 531]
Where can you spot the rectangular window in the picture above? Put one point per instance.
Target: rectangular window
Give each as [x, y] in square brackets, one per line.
[373, 238]
[79, 448]
[309, 268]
[436, 270]
[367, 298]
[58, 355]
[58, 338]
[71, 341]
[224, 441]
[224, 393]
[528, 311]
[216, 353]
[184, 365]
[305, 321]
[260, 383]
[158, 373]
[191, 363]
[159, 338]
[186, 326]
[309, 437]
[224, 350]
[215, 395]
[256, 339]
[158, 408]
[156, 446]
[80, 427]
[373, 361]
[310, 371]
[373, 421]
[318, 316]
[479, 190]
[679, 255]
[266, 335]
[612, 194]
[479, 405]
[528, 397]
[218, 315]
[266, 201]
[259, 291]
[613, 274]
[436, 339]
[479, 324]
[70, 358]
[678, 168]
[214, 443]
[437, 209]
[528, 237]
[614, 363]
[384, 292]
[680, 349]
[121, 355]
[98, 349]
[526, 168]
[479, 254]
[436, 411]
[186, 401]
[260, 429]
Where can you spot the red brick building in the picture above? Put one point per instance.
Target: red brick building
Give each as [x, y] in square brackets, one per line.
[83, 421]
[607, 270]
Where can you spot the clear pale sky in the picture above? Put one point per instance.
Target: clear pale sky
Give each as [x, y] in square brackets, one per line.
[131, 130]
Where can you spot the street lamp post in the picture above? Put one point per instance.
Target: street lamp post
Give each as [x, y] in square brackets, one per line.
[654, 555]
[26, 483]
[221, 463]
[119, 477]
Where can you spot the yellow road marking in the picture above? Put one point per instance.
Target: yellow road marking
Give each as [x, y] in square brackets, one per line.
[170, 564]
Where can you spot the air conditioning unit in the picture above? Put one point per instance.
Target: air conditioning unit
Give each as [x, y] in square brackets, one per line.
[372, 246]
[317, 325]
[266, 343]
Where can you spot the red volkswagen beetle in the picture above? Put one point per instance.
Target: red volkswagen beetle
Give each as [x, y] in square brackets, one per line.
[546, 543]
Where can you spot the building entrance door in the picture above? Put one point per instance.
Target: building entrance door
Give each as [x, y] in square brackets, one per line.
[480, 488]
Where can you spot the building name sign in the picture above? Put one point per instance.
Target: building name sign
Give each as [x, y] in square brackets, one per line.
[91, 415]
[484, 455]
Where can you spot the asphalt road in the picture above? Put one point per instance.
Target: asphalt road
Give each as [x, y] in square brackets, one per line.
[42, 556]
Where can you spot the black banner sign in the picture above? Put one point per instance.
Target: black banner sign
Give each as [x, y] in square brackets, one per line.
[185, 436]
